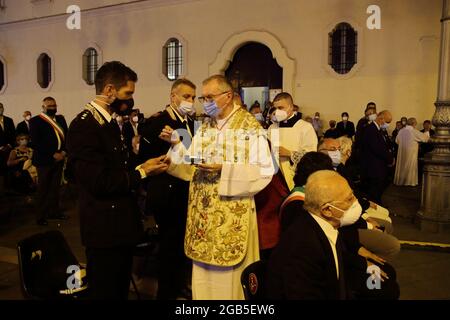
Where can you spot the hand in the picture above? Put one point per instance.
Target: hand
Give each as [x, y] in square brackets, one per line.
[156, 165]
[373, 205]
[383, 275]
[209, 167]
[23, 159]
[363, 252]
[59, 156]
[135, 143]
[375, 224]
[169, 135]
[283, 152]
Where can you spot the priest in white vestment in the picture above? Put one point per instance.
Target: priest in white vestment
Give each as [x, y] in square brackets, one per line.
[406, 170]
[292, 136]
[231, 163]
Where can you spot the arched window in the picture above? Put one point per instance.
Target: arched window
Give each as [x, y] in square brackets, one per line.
[2, 75]
[90, 65]
[44, 70]
[343, 43]
[173, 59]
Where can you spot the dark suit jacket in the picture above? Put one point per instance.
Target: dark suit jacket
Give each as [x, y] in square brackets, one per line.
[109, 215]
[376, 153]
[45, 142]
[302, 265]
[163, 186]
[8, 134]
[347, 130]
[22, 128]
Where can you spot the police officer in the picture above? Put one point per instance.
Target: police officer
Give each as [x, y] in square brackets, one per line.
[109, 217]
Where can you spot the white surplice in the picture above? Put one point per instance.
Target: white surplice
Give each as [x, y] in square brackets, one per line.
[406, 169]
[299, 139]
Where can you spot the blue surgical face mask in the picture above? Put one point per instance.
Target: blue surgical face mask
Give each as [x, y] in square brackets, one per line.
[335, 157]
[384, 126]
[211, 108]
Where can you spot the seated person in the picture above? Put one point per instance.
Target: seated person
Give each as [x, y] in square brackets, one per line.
[311, 262]
[375, 234]
[23, 173]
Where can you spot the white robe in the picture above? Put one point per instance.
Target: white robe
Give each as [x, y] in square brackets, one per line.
[406, 170]
[210, 282]
[299, 139]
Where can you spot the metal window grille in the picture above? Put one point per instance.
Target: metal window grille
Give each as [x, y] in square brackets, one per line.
[90, 65]
[44, 70]
[343, 48]
[173, 64]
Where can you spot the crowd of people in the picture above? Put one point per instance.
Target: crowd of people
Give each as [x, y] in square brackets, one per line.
[277, 188]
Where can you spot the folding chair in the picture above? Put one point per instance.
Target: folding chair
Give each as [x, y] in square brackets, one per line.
[252, 280]
[48, 268]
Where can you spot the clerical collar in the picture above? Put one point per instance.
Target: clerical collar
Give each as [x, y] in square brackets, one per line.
[290, 121]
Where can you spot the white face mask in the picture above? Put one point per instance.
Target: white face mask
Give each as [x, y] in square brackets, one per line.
[372, 117]
[259, 117]
[384, 126]
[280, 115]
[335, 157]
[135, 119]
[23, 142]
[351, 215]
[186, 107]
[344, 118]
[28, 118]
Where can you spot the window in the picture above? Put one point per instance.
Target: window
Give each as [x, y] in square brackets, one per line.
[90, 65]
[2, 75]
[173, 59]
[44, 70]
[343, 48]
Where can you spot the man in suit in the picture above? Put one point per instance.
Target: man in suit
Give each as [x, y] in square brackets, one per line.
[345, 127]
[130, 128]
[24, 126]
[308, 261]
[168, 195]
[377, 156]
[7, 141]
[110, 222]
[48, 132]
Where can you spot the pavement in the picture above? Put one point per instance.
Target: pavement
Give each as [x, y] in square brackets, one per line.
[422, 272]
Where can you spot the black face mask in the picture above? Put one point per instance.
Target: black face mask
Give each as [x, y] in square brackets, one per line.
[116, 104]
[51, 112]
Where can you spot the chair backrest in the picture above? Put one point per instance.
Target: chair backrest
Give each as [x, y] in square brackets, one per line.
[252, 280]
[43, 262]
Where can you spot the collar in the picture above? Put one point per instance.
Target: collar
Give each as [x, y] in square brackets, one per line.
[376, 125]
[182, 119]
[327, 228]
[102, 111]
[293, 115]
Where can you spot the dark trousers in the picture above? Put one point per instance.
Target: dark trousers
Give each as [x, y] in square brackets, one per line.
[375, 188]
[49, 182]
[357, 282]
[174, 266]
[109, 272]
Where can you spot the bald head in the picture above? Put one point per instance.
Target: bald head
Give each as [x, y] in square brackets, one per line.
[385, 115]
[323, 187]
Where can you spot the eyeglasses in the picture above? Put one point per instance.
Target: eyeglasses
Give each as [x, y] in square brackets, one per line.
[211, 97]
